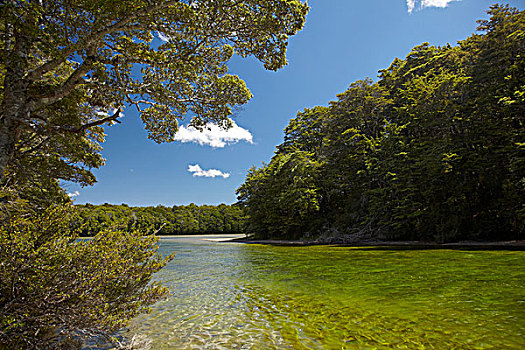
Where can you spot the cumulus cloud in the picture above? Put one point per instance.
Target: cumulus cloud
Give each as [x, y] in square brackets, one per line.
[198, 171]
[411, 4]
[213, 135]
[73, 194]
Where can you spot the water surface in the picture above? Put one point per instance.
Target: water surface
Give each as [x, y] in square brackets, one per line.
[240, 296]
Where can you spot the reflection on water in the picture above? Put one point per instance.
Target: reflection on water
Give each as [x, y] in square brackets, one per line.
[237, 296]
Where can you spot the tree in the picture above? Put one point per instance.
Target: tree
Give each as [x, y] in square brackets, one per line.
[305, 131]
[354, 132]
[85, 55]
[282, 198]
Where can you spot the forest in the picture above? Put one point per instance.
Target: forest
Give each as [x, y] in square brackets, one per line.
[90, 219]
[432, 150]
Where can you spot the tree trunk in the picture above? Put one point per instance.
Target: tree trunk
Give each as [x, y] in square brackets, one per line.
[14, 108]
[8, 137]
[13, 111]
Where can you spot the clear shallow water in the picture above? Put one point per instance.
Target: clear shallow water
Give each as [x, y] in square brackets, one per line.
[239, 296]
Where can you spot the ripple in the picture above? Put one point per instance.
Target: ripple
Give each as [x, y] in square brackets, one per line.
[234, 296]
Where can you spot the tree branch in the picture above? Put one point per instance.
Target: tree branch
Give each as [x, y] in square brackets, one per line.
[82, 128]
[97, 36]
[66, 88]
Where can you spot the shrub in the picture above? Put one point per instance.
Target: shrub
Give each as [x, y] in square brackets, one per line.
[57, 290]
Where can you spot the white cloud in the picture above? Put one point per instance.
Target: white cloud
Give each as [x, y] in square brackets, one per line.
[198, 171]
[411, 4]
[213, 135]
[163, 37]
[73, 194]
[435, 3]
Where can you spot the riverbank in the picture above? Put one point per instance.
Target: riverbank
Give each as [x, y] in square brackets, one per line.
[376, 244]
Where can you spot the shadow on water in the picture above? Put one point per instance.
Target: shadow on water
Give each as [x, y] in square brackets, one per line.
[400, 246]
[440, 247]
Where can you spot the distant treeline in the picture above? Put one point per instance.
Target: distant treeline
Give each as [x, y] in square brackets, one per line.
[176, 220]
[434, 150]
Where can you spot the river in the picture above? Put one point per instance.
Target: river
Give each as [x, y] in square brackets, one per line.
[244, 296]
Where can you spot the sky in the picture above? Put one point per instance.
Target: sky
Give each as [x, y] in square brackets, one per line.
[342, 41]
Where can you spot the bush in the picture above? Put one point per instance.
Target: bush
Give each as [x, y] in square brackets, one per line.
[57, 290]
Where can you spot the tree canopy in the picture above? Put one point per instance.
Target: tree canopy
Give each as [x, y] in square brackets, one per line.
[90, 219]
[434, 150]
[66, 68]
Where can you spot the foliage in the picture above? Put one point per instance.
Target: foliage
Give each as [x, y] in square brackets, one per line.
[56, 290]
[282, 196]
[189, 219]
[68, 67]
[431, 151]
[43, 156]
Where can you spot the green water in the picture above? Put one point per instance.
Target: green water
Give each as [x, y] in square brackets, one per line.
[237, 296]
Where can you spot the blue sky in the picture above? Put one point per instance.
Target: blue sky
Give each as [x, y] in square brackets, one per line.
[342, 41]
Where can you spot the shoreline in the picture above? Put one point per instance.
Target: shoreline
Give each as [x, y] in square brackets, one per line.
[516, 245]
[399, 245]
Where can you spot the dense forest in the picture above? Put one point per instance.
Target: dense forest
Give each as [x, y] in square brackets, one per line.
[90, 219]
[433, 150]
